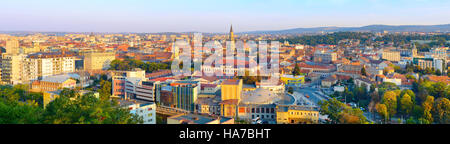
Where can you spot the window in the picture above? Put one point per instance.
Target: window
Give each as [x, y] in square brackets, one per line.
[257, 110]
[262, 116]
[262, 110]
[253, 110]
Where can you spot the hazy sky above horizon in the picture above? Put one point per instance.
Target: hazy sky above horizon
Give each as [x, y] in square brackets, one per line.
[213, 15]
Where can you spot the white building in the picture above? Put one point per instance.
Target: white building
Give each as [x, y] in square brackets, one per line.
[146, 110]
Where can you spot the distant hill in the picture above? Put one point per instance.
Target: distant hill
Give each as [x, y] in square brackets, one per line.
[370, 28]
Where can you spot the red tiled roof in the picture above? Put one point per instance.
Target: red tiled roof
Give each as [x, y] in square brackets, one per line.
[230, 102]
[162, 79]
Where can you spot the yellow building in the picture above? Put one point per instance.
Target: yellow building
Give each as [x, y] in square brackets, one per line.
[53, 83]
[98, 60]
[391, 55]
[290, 79]
[231, 89]
[297, 115]
[231, 95]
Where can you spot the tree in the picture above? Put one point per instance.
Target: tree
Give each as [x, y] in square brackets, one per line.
[382, 111]
[406, 104]
[363, 71]
[442, 108]
[19, 113]
[331, 108]
[410, 93]
[390, 100]
[291, 90]
[427, 107]
[338, 112]
[387, 86]
[438, 89]
[105, 90]
[87, 109]
[296, 70]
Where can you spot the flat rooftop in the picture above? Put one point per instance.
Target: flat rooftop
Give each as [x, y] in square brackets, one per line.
[231, 82]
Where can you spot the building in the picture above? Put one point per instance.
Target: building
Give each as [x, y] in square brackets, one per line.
[119, 80]
[208, 105]
[231, 91]
[364, 82]
[147, 110]
[185, 94]
[198, 119]
[12, 47]
[53, 83]
[325, 57]
[259, 104]
[436, 63]
[138, 88]
[297, 115]
[329, 81]
[158, 74]
[52, 63]
[276, 86]
[292, 80]
[231, 34]
[98, 60]
[15, 70]
[391, 55]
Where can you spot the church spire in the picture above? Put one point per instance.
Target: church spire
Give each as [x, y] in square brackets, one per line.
[231, 29]
[231, 33]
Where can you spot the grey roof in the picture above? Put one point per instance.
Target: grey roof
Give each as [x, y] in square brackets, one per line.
[56, 78]
[260, 96]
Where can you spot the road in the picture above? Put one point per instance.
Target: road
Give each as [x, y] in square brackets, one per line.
[311, 92]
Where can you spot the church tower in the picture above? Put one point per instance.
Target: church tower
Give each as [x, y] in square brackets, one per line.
[231, 34]
[414, 50]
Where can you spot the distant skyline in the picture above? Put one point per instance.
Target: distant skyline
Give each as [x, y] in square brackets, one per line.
[214, 16]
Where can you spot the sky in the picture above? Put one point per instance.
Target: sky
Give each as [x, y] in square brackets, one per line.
[213, 15]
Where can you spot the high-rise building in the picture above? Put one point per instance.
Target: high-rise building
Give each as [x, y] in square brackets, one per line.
[13, 69]
[185, 94]
[53, 63]
[21, 68]
[12, 46]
